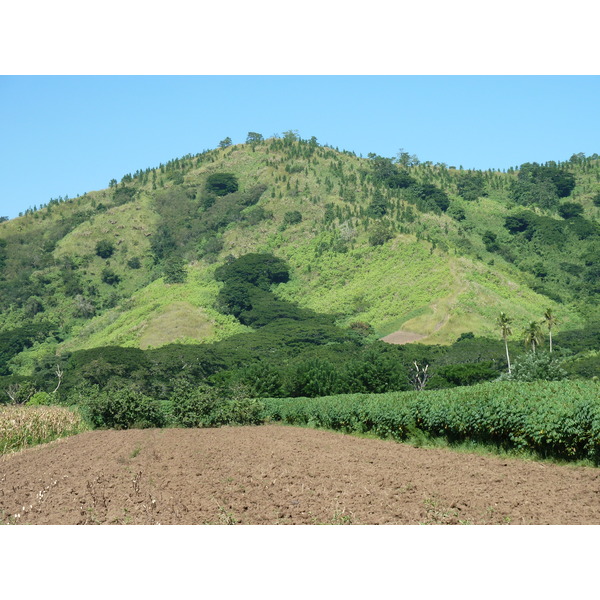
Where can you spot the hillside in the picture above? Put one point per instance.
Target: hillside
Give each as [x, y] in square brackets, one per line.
[401, 246]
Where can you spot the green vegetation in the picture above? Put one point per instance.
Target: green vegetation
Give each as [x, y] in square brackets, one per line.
[552, 419]
[189, 293]
[25, 426]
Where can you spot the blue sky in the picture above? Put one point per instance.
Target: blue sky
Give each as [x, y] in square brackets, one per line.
[65, 135]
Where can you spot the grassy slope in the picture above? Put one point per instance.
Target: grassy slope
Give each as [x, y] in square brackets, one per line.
[405, 283]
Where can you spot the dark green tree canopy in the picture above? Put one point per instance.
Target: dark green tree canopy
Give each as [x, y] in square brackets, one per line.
[385, 172]
[105, 248]
[254, 138]
[222, 184]
[257, 269]
[568, 210]
[471, 186]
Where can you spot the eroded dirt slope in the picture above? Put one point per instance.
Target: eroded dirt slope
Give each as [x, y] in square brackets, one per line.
[277, 474]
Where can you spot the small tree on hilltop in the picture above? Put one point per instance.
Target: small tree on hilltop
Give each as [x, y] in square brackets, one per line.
[254, 138]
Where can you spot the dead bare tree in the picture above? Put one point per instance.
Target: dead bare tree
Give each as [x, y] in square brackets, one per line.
[15, 393]
[59, 373]
[419, 376]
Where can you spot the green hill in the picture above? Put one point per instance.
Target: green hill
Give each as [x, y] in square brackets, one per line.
[399, 245]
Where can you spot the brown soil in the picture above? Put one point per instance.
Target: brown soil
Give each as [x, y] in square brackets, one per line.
[277, 474]
[402, 337]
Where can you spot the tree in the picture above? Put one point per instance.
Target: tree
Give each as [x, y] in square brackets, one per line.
[471, 186]
[550, 320]
[110, 277]
[292, 217]
[378, 206]
[533, 335]
[254, 138]
[105, 248]
[569, 210]
[174, 270]
[380, 235]
[222, 184]
[419, 376]
[225, 143]
[504, 322]
[291, 135]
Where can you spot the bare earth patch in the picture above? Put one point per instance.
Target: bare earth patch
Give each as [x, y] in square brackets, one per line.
[402, 337]
[282, 475]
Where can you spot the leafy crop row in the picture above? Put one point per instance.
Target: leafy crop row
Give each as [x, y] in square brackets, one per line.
[553, 419]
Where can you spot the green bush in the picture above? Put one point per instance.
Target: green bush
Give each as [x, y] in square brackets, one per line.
[105, 248]
[122, 195]
[110, 277]
[122, 409]
[200, 405]
[292, 217]
[174, 270]
[534, 366]
[40, 399]
[469, 373]
[197, 405]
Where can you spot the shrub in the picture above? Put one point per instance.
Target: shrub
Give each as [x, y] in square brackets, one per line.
[122, 195]
[134, 263]
[468, 374]
[203, 406]
[252, 196]
[174, 270]
[110, 277]
[40, 399]
[533, 366]
[105, 248]
[292, 217]
[380, 235]
[456, 212]
[197, 405]
[122, 409]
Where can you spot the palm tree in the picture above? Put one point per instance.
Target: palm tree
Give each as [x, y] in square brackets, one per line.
[533, 335]
[503, 321]
[550, 320]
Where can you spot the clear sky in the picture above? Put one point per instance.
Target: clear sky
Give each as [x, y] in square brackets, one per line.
[65, 135]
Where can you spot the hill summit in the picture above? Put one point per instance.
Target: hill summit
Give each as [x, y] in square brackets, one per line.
[399, 249]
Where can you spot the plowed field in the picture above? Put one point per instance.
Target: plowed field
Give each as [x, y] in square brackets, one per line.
[282, 475]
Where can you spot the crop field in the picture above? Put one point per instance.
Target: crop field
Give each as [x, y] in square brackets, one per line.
[281, 474]
[23, 426]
